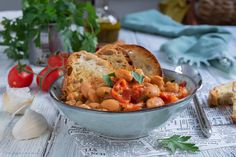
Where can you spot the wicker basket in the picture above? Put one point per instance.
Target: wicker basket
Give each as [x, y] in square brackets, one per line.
[216, 12]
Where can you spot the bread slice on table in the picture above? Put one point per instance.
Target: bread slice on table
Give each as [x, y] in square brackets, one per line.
[83, 66]
[224, 94]
[130, 57]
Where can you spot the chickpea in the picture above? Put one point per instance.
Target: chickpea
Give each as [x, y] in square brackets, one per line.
[85, 106]
[151, 90]
[94, 105]
[155, 102]
[172, 87]
[72, 96]
[158, 80]
[85, 86]
[103, 92]
[111, 105]
[92, 95]
[125, 74]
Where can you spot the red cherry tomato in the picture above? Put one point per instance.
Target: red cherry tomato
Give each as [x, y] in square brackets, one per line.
[58, 60]
[46, 77]
[22, 79]
[121, 92]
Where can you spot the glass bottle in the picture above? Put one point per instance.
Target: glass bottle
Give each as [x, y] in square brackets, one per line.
[109, 23]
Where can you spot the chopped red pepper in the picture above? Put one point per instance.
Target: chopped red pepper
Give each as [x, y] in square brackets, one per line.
[121, 91]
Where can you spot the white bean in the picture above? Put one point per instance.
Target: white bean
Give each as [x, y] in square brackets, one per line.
[111, 105]
[84, 88]
[125, 74]
[155, 102]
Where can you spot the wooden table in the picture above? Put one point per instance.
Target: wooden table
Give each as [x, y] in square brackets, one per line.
[56, 142]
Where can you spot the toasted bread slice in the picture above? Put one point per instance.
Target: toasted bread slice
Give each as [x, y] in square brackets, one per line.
[129, 57]
[224, 94]
[143, 59]
[116, 55]
[83, 66]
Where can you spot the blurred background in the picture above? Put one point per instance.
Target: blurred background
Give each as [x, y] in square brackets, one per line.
[120, 7]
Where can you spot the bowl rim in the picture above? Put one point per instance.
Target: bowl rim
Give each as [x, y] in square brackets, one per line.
[129, 112]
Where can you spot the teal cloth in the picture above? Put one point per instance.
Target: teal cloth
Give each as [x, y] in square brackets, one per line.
[191, 44]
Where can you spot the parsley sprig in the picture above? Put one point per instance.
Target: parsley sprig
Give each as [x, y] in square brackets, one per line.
[178, 142]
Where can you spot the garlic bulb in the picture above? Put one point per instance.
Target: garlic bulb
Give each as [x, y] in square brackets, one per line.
[31, 125]
[16, 98]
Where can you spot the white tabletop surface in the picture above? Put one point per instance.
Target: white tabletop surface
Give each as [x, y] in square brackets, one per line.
[56, 142]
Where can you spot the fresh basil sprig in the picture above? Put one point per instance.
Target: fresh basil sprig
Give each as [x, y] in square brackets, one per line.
[139, 78]
[107, 79]
[178, 142]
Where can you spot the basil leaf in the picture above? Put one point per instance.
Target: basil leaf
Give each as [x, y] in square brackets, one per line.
[107, 79]
[137, 77]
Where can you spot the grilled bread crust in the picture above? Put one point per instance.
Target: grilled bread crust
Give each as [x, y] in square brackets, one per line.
[130, 57]
[83, 66]
[143, 59]
[116, 55]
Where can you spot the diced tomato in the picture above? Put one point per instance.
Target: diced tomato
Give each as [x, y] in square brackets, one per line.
[169, 97]
[182, 92]
[137, 92]
[121, 92]
[183, 84]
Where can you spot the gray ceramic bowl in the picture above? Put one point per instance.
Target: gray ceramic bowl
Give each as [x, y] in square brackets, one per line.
[125, 125]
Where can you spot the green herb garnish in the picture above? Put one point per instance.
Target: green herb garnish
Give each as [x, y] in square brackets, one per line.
[107, 79]
[178, 142]
[137, 77]
[40, 15]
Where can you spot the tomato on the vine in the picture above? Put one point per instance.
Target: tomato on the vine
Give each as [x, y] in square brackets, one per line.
[57, 60]
[47, 76]
[21, 79]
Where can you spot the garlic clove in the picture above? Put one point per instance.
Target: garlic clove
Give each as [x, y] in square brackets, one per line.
[16, 98]
[31, 125]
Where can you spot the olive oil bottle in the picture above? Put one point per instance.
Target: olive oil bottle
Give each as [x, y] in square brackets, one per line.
[109, 23]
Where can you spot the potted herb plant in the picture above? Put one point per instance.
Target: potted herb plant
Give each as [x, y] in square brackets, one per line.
[47, 26]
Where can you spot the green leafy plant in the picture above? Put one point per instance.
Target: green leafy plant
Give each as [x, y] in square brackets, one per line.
[178, 142]
[68, 16]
